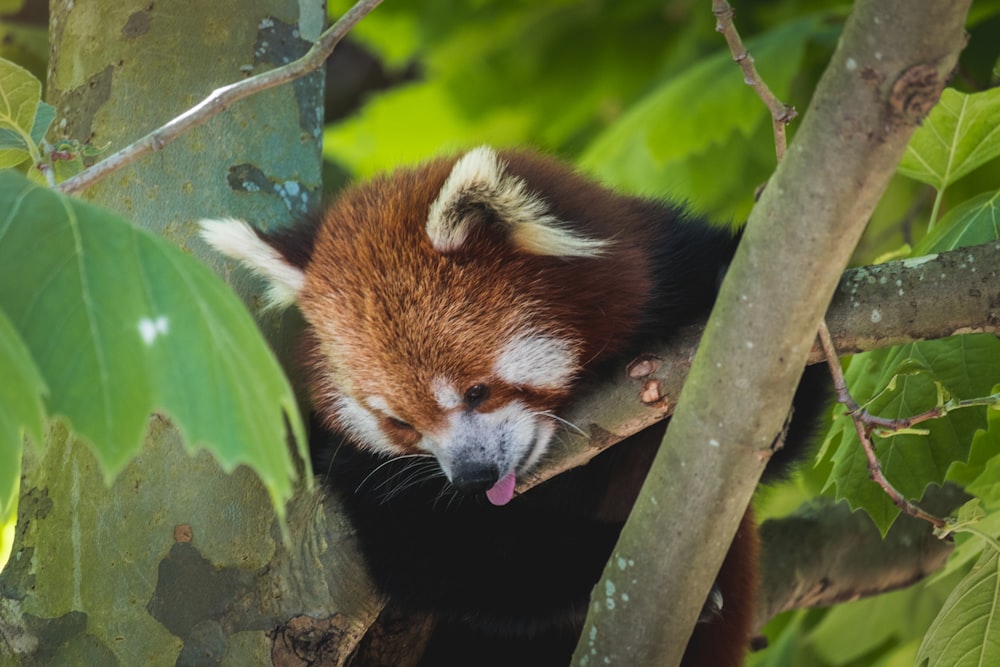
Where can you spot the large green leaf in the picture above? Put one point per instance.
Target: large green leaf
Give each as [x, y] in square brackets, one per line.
[961, 133]
[21, 411]
[20, 94]
[122, 324]
[966, 632]
[964, 365]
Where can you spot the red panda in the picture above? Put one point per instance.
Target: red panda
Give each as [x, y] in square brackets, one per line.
[453, 310]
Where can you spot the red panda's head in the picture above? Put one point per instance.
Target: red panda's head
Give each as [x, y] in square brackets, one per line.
[451, 307]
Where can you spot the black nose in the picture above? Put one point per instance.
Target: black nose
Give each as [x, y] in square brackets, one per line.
[474, 477]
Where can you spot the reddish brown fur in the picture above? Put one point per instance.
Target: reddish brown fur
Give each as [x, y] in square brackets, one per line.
[378, 230]
[374, 282]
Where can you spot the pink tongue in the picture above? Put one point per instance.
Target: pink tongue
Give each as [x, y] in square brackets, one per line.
[501, 492]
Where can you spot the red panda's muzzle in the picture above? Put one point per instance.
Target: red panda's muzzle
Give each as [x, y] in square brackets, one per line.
[485, 451]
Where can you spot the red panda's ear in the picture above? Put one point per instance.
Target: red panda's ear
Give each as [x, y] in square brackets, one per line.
[238, 240]
[479, 183]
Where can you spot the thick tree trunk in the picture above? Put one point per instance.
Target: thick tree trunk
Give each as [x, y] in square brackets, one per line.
[177, 561]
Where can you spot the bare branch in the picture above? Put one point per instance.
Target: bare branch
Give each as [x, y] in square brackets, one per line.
[221, 98]
[781, 114]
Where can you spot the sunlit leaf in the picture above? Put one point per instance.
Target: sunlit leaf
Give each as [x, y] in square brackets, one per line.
[22, 411]
[430, 125]
[20, 93]
[965, 633]
[121, 324]
[961, 133]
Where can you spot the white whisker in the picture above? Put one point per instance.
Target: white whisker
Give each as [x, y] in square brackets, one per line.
[390, 462]
[568, 424]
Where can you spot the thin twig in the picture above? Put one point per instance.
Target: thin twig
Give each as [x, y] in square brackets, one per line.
[863, 427]
[781, 114]
[220, 99]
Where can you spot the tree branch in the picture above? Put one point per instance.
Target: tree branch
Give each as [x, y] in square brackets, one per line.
[867, 313]
[824, 554]
[900, 301]
[889, 69]
[220, 99]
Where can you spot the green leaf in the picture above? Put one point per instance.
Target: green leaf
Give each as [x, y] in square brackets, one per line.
[122, 324]
[980, 475]
[972, 222]
[20, 93]
[987, 485]
[965, 367]
[965, 633]
[961, 133]
[11, 140]
[896, 617]
[44, 115]
[21, 411]
[969, 545]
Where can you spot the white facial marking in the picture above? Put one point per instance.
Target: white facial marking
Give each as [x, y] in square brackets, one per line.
[379, 404]
[236, 239]
[513, 438]
[445, 393]
[362, 425]
[479, 177]
[534, 359]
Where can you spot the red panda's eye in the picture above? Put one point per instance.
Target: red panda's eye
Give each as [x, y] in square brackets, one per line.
[476, 394]
[399, 423]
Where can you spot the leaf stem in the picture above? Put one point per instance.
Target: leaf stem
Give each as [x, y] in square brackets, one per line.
[938, 199]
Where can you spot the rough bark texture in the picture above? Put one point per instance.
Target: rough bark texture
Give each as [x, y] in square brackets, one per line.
[889, 69]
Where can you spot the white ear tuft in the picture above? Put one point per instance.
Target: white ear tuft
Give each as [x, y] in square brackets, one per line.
[478, 179]
[238, 240]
